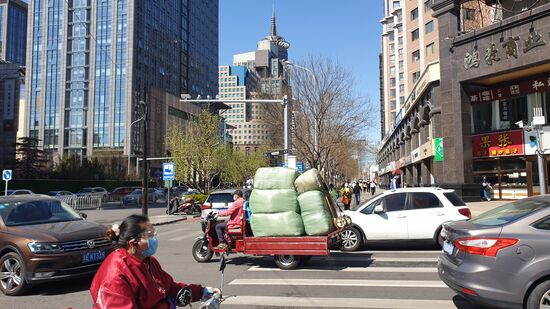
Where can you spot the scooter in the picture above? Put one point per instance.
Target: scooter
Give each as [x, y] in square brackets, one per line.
[214, 302]
[188, 207]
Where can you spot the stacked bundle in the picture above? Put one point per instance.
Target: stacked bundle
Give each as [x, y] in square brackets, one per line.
[274, 204]
[314, 207]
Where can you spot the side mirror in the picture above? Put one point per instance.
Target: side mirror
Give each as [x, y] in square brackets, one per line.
[83, 215]
[378, 209]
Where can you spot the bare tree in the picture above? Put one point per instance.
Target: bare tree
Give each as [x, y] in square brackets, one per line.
[330, 117]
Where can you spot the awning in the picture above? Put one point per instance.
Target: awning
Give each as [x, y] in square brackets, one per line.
[397, 171]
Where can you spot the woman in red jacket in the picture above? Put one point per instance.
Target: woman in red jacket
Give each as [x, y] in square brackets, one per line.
[131, 278]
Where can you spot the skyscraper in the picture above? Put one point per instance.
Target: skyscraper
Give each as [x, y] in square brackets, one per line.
[267, 63]
[91, 62]
[13, 31]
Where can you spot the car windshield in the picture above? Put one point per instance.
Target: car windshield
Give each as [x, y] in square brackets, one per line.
[510, 212]
[36, 212]
[220, 198]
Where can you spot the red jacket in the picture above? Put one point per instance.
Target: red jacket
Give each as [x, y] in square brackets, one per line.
[236, 214]
[123, 282]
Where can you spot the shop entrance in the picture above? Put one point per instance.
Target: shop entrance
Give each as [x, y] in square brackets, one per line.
[507, 176]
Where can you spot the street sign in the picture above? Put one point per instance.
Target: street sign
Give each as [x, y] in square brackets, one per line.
[6, 176]
[168, 184]
[168, 171]
[439, 152]
[300, 167]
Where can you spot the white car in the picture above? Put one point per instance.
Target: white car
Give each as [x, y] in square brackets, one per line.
[404, 214]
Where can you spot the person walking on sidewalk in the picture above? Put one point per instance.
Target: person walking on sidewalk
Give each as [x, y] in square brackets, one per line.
[486, 189]
[357, 193]
[346, 196]
[372, 187]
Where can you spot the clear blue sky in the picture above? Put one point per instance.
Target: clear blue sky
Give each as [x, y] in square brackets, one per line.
[346, 30]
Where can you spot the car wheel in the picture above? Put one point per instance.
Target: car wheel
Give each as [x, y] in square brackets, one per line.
[201, 251]
[287, 262]
[351, 239]
[12, 274]
[539, 297]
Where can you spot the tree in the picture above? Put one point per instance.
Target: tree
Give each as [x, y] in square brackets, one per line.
[198, 151]
[30, 160]
[240, 166]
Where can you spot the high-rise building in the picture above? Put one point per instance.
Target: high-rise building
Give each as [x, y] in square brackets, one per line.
[267, 62]
[91, 62]
[11, 84]
[13, 31]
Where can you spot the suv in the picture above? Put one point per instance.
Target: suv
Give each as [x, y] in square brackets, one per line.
[43, 239]
[217, 201]
[404, 214]
[94, 191]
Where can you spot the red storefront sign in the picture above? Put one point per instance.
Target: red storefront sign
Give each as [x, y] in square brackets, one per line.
[539, 83]
[499, 144]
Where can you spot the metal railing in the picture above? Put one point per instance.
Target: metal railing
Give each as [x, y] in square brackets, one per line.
[82, 202]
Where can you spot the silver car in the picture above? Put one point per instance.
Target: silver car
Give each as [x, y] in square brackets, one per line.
[502, 257]
[217, 201]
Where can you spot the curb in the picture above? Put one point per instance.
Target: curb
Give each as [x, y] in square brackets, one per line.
[170, 221]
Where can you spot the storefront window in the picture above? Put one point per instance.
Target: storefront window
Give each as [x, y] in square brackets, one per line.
[482, 115]
[483, 166]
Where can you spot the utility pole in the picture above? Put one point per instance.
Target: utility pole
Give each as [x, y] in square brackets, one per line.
[285, 106]
[145, 180]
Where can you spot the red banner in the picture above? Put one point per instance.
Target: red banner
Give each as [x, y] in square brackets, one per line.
[498, 144]
[539, 83]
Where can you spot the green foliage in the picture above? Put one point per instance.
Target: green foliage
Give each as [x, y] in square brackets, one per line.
[31, 161]
[241, 166]
[200, 198]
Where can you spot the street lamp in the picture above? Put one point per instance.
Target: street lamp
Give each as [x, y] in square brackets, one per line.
[536, 125]
[130, 143]
[316, 87]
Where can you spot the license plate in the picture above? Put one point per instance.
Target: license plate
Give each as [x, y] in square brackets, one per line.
[448, 248]
[95, 256]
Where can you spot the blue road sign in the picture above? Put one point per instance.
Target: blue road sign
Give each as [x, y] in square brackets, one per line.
[6, 175]
[300, 167]
[168, 171]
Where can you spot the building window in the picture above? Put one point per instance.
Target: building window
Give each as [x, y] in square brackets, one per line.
[469, 14]
[414, 14]
[401, 65]
[392, 47]
[401, 100]
[393, 105]
[392, 71]
[430, 49]
[392, 60]
[392, 36]
[392, 82]
[427, 5]
[399, 29]
[400, 52]
[429, 26]
[415, 55]
[401, 76]
[393, 93]
[415, 76]
[401, 88]
[400, 40]
[415, 34]
[396, 4]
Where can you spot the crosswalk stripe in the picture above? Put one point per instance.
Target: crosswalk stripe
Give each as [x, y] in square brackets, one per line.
[379, 259]
[185, 237]
[355, 269]
[342, 282]
[325, 302]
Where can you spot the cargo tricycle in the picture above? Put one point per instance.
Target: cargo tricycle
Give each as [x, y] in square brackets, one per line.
[288, 252]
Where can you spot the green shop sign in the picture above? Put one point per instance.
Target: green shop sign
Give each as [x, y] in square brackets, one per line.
[439, 154]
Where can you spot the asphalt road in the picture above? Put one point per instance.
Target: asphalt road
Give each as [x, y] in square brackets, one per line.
[383, 277]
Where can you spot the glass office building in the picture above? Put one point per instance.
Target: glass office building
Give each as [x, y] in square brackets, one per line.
[91, 61]
[13, 31]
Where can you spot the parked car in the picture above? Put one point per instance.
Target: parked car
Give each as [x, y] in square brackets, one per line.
[217, 201]
[501, 258]
[60, 193]
[94, 191]
[153, 196]
[119, 193]
[43, 239]
[16, 192]
[404, 214]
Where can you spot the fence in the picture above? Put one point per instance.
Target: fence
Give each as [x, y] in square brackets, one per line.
[82, 202]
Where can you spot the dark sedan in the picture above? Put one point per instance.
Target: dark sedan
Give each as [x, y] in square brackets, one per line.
[43, 239]
[502, 257]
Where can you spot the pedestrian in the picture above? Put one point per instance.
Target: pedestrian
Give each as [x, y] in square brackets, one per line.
[357, 193]
[372, 187]
[367, 187]
[486, 189]
[332, 192]
[346, 196]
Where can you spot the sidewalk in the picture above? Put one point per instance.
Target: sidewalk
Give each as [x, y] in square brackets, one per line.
[480, 207]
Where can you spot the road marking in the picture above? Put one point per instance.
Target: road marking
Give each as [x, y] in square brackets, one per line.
[342, 282]
[356, 269]
[185, 237]
[325, 302]
[377, 259]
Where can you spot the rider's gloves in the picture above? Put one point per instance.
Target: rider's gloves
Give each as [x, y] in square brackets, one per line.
[183, 298]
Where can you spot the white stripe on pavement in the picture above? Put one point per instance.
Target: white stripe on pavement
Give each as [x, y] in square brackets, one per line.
[322, 302]
[185, 236]
[377, 259]
[357, 269]
[342, 282]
